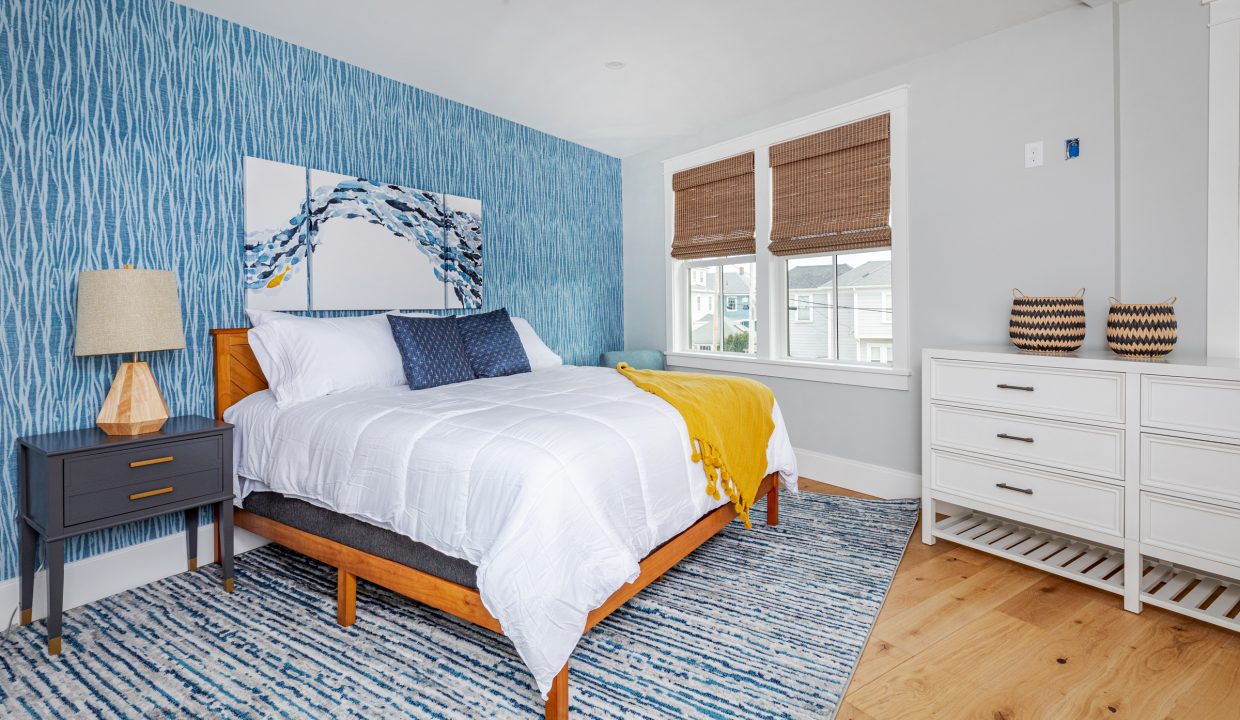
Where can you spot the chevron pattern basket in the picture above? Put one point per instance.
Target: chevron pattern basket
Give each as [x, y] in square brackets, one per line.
[1141, 330]
[1047, 324]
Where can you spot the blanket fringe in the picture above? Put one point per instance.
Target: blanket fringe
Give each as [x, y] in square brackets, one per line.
[717, 476]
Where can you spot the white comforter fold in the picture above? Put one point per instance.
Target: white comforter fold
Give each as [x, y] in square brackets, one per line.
[553, 483]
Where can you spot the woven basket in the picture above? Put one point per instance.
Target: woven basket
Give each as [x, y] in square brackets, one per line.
[1141, 330]
[1052, 325]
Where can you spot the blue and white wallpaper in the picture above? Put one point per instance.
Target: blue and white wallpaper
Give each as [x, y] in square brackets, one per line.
[123, 126]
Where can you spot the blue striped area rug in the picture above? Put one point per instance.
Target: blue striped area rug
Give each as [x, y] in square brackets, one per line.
[766, 623]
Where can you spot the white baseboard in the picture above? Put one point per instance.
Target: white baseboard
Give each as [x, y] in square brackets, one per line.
[876, 480]
[100, 576]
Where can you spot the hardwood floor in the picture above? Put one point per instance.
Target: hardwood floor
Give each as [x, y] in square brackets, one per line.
[968, 635]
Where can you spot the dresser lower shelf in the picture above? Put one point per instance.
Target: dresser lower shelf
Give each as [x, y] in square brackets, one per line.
[1089, 563]
[1199, 595]
[1205, 597]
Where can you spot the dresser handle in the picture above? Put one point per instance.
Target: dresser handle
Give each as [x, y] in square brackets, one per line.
[1005, 386]
[151, 493]
[1005, 436]
[1005, 486]
[152, 461]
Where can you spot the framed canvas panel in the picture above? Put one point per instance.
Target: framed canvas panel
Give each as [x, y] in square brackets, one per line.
[276, 252]
[374, 246]
[462, 267]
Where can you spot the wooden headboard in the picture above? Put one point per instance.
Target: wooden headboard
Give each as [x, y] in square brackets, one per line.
[237, 373]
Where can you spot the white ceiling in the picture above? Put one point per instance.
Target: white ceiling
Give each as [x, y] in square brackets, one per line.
[687, 62]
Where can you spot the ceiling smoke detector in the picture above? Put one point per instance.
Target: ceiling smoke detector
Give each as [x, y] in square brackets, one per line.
[614, 65]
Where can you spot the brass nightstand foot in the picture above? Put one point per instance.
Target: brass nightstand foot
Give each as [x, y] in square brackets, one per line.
[193, 564]
[27, 616]
[53, 645]
[228, 584]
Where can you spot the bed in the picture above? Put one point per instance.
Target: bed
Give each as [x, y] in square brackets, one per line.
[362, 542]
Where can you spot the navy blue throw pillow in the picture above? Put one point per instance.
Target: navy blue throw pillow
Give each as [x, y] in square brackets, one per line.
[492, 344]
[431, 350]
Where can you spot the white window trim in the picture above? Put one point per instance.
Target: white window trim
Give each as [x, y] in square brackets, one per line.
[1223, 273]
[770, 357]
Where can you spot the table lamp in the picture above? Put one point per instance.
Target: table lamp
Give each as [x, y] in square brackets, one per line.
[129, 311]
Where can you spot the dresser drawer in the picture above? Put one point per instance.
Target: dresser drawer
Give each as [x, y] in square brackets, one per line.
[123, 468]
[1093, 505]
[1180, 465]
[1077, 394]
[1209, 407]
[114, 501]
[1067, 446]
[1193, 528]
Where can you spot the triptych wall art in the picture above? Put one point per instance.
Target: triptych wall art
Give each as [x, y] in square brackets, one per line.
[316, 240]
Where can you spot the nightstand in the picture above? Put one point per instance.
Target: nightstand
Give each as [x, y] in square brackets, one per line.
[79, 481]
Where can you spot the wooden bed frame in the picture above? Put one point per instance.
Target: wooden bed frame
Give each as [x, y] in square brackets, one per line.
[237, 375]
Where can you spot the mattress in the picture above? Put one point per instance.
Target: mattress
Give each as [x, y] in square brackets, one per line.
[361, 535]
[554, 484]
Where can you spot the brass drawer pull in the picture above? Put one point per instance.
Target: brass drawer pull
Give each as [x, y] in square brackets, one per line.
[1005, 386]
[151, 493]
[1005, 486]
[152, 461]
[1005, 436]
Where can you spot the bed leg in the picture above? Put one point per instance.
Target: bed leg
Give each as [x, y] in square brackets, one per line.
[346, 598]
[772, 504]
[557, 699]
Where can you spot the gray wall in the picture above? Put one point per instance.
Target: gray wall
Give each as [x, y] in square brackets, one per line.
[1164, 70]
[980, 223]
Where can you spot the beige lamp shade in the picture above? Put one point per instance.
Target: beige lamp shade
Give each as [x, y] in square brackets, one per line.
[128, 311]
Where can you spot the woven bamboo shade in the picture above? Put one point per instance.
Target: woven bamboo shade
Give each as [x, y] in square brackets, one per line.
[715, 209]
[832, 190]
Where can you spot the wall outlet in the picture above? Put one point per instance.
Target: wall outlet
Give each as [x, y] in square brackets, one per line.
[1033, 154]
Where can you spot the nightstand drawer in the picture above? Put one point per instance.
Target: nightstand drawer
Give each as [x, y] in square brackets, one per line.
[150, 463]
[135, 496]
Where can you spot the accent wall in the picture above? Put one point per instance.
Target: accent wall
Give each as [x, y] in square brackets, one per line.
[123, 126]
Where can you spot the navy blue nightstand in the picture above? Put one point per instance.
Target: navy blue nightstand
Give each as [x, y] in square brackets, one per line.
[79, 481]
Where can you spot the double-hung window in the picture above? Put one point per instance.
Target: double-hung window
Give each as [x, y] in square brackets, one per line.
[789, 249]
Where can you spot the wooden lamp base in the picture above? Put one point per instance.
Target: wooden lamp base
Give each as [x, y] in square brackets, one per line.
[134, 405]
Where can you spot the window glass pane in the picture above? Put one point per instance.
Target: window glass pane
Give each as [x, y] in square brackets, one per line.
[703, 321]
[811, 315]
[864, 298]
[739, 329]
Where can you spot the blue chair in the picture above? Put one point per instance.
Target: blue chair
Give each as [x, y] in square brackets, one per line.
[637, 359]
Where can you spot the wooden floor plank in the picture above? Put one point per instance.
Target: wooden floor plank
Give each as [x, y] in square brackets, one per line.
[965, 634]
[944, 613]
[1048, 602]
[1216, 694]
[937, 680]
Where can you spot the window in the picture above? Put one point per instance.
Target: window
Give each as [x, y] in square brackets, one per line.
[731, 284]
[804, 309]
[822, 293]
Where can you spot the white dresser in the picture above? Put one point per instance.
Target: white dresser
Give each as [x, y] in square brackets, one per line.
[1124, 475]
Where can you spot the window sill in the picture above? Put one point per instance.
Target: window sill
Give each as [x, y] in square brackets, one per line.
[839, 373]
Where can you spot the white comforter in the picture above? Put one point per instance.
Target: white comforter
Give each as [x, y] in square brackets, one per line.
[553, 483]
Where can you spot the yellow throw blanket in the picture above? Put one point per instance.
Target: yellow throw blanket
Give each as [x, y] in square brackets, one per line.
[730, 426]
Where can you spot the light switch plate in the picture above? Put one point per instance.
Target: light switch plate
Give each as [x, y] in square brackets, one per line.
[1033, 154]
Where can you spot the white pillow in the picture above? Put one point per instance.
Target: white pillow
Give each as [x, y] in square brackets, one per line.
[308, 357]
[258, 317]
[536, 350]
